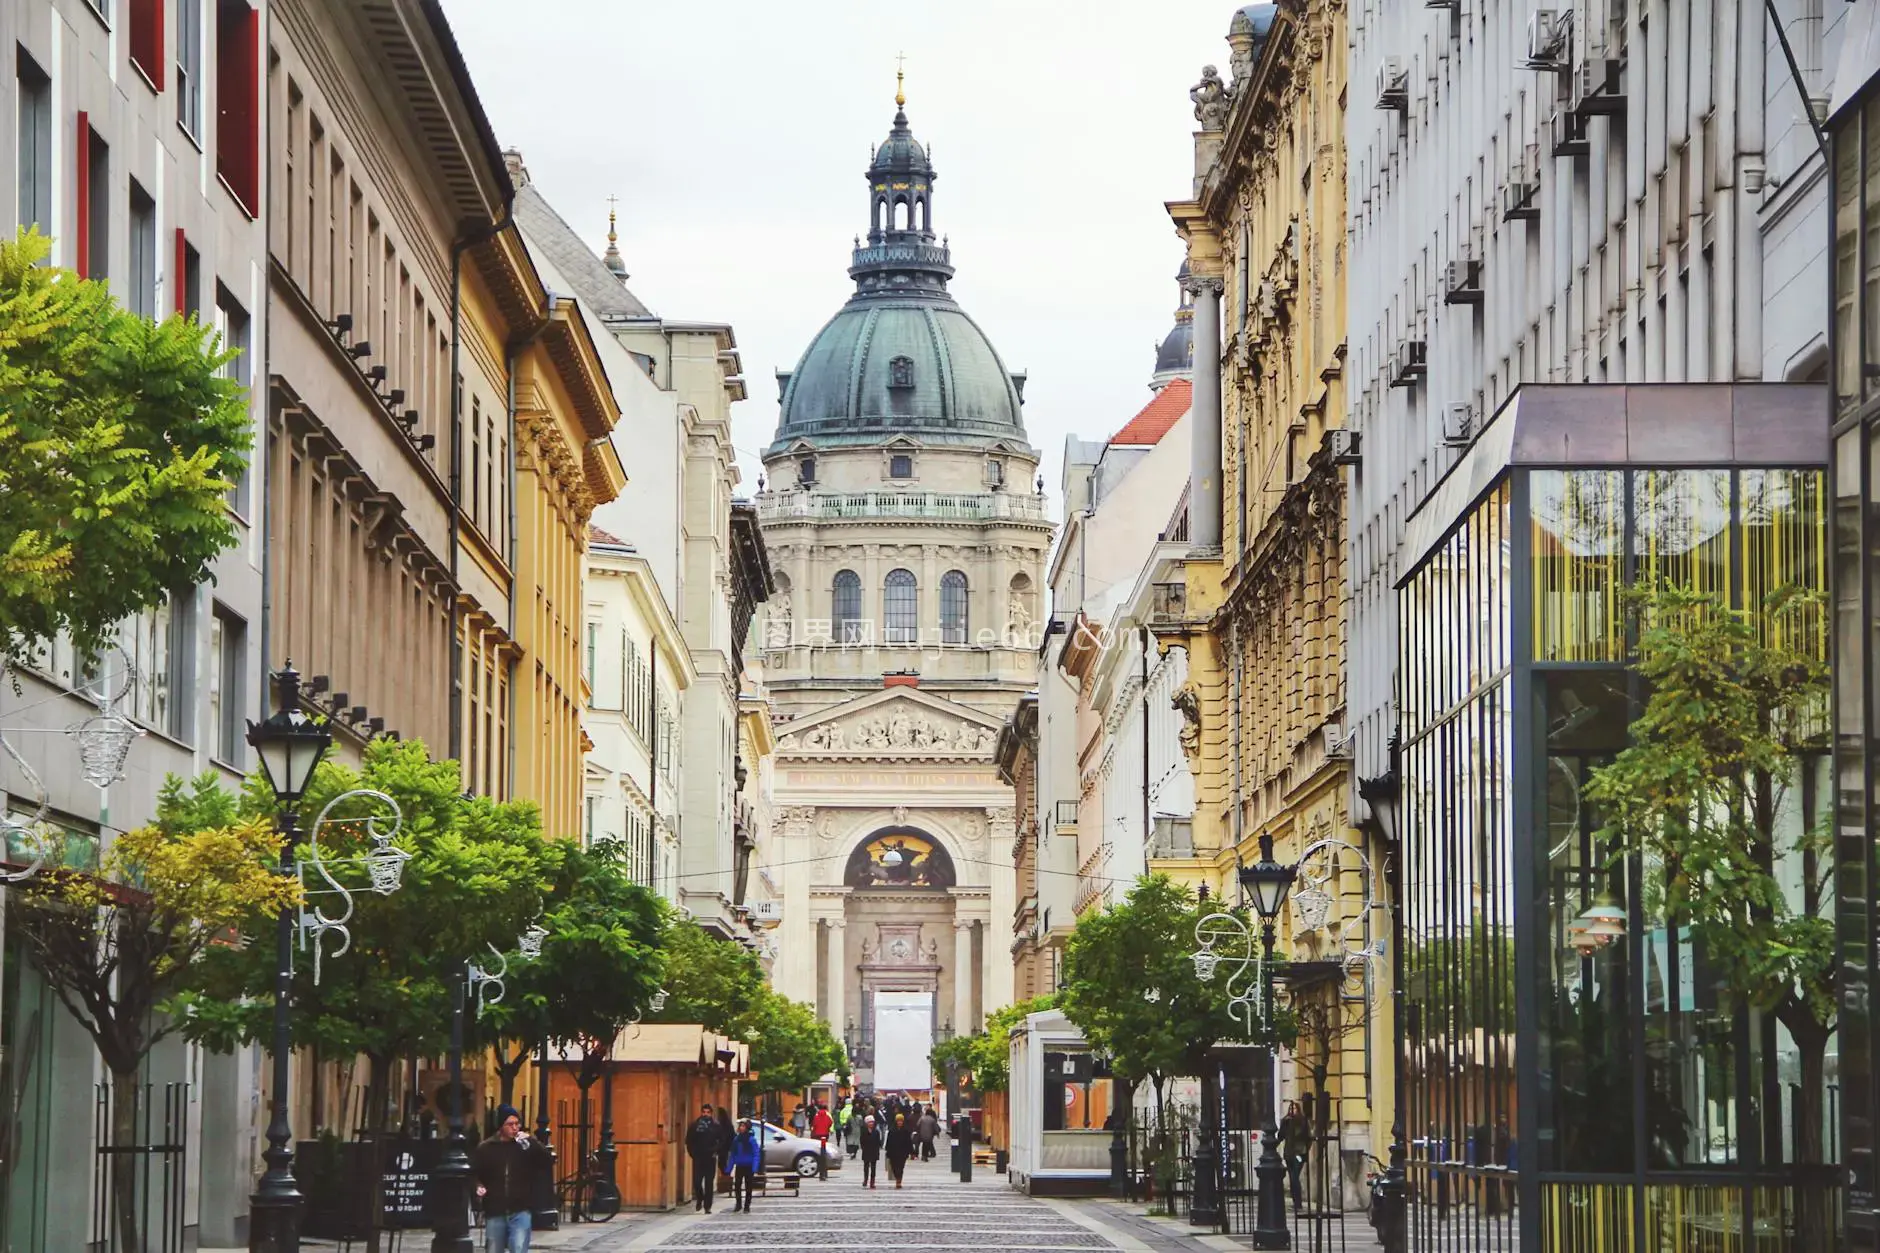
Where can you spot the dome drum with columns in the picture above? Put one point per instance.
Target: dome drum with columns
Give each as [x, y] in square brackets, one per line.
[910, 542]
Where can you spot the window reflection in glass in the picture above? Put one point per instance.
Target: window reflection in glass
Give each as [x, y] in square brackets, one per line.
[1681, 530]
[1578, 536]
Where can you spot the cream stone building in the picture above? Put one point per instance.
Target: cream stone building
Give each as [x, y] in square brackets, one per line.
[908, 540]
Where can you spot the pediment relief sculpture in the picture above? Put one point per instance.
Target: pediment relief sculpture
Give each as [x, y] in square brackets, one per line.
[897, 730]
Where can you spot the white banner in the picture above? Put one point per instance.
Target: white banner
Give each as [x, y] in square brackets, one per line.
[903, 1041]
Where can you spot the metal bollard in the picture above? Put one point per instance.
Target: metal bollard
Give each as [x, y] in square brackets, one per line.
[963, 1137]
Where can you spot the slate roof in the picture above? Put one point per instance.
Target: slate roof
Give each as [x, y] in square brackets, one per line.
[594, 285]
[1153, 422]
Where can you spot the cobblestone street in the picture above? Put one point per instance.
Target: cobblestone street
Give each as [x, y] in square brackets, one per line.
[933, 1212]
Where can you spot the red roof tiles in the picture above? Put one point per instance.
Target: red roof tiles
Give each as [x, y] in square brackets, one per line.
[598, 536]
[1161, 413]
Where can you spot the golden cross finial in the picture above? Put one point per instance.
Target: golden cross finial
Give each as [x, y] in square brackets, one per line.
[900, 74]
[611, 202]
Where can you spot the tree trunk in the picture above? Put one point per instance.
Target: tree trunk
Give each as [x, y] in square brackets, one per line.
[125, 1092]
[1812, 1223]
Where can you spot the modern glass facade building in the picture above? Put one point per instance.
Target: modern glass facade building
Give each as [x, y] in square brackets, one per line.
[1855, 354]
[1561, 1094]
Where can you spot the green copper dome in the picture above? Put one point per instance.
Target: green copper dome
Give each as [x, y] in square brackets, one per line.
[901, 357]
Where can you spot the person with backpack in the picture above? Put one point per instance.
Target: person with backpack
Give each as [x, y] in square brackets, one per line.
[747, 1159]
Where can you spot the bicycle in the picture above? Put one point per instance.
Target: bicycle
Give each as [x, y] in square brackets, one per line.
[589, 1196]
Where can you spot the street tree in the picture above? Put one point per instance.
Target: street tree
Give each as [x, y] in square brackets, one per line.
[599, 968]
[986, 1055]
[1711, 801]
[115, 945]
[791, 1047]
[121, 438]
[474, 882]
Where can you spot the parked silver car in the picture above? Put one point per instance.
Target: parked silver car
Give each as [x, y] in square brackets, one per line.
[785, 1150]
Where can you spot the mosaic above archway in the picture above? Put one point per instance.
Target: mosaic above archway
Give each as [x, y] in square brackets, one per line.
[899, 859]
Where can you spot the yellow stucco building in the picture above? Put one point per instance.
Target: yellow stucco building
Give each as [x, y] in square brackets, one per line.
[525, 522]
[1263, 613]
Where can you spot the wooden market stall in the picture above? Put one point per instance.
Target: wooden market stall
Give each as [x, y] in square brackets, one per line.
[662, 1074]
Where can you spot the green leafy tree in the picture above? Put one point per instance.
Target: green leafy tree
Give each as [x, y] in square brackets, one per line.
[121, 437]
[1131, 988]
[986, 1055]
[474, 882]
[708, 980]
[115, 945]
[1705, 800]
[791, 1047]
[599, 968]
[721, 985]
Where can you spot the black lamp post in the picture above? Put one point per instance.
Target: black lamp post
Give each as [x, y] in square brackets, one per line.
[289, 745]
[606, 1152]
[1382, 794]
[548, 1218]
[450, 1207]
[1268, 883]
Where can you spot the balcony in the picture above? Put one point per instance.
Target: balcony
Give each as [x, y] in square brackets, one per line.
[1066, 818]
[935, 506]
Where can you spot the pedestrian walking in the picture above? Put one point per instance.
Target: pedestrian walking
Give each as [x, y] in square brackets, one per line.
[799, 1121]
[726, 1134]
[701, 1145]
[870, 1143]
[1295, 1145]
[928, 1127]
[900, 1146]
[746, 1157]
[505, 1166]
[820, 1124]
[845, 1125]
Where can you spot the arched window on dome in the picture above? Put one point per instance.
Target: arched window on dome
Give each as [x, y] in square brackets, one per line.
[900, 607]
[903, 213]
[881, 213]
[846, 607]
[953, 607]
[924, 212]
[901, 372]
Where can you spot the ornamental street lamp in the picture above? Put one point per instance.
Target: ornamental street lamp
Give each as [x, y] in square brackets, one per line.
[450, 1231]
[290, 746]
[1269, 883]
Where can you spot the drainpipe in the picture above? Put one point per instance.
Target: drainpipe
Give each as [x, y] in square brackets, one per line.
[1146, 827]
[463, 244]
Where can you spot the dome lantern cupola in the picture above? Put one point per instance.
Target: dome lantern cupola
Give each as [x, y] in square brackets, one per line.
[901, 358]
[1175, 359]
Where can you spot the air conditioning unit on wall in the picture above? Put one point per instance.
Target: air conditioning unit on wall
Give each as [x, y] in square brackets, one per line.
[1393, 85]
[1458, 425]
[1462, 281]
[1549, 34]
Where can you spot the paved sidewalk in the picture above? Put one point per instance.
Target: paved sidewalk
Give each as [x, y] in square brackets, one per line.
[934, 1211]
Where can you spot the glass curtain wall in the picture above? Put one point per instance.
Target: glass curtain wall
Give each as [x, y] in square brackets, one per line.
[1855, 347]
[1571, 1087]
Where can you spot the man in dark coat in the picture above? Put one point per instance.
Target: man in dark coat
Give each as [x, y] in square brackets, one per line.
[504, 1167]
[870, 1143]
[701, 1145]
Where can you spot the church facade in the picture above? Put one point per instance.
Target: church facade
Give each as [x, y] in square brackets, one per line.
[908, 540]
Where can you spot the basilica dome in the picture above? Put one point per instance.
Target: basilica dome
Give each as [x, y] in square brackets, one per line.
[901, 357]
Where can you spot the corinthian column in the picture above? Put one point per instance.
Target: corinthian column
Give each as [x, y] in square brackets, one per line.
[1204, 486]
[963, 976]
[838, 976]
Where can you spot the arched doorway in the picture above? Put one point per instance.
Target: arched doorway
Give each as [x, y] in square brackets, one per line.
[901, 903]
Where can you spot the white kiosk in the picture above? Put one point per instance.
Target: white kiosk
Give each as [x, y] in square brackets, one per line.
[1058, 1110]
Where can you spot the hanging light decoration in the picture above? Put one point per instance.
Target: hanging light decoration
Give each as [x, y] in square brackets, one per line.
[530, 942]
[1597, 926]
[104, 745]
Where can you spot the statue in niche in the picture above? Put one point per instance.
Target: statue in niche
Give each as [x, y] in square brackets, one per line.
[777, 626]
[1017, 618]
[868, 948]
[931, 950]
[1211, 100]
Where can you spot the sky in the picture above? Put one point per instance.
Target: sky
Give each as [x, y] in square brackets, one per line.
[735, 134]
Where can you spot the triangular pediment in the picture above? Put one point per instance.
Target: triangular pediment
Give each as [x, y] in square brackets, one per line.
[894, 722]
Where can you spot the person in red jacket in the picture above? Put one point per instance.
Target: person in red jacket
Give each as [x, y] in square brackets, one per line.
[820, 1125]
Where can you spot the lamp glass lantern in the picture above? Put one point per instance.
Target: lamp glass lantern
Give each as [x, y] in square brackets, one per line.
[1269, 883]
[289, 744]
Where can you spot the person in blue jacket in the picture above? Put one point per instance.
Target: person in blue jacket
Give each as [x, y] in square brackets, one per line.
[747, 1157]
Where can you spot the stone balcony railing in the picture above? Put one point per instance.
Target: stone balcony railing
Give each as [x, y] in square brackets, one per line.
[940, 506]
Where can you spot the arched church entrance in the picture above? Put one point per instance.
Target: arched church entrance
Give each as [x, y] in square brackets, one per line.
[917, 977]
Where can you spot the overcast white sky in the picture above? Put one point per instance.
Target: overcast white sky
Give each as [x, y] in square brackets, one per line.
[735, 133]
